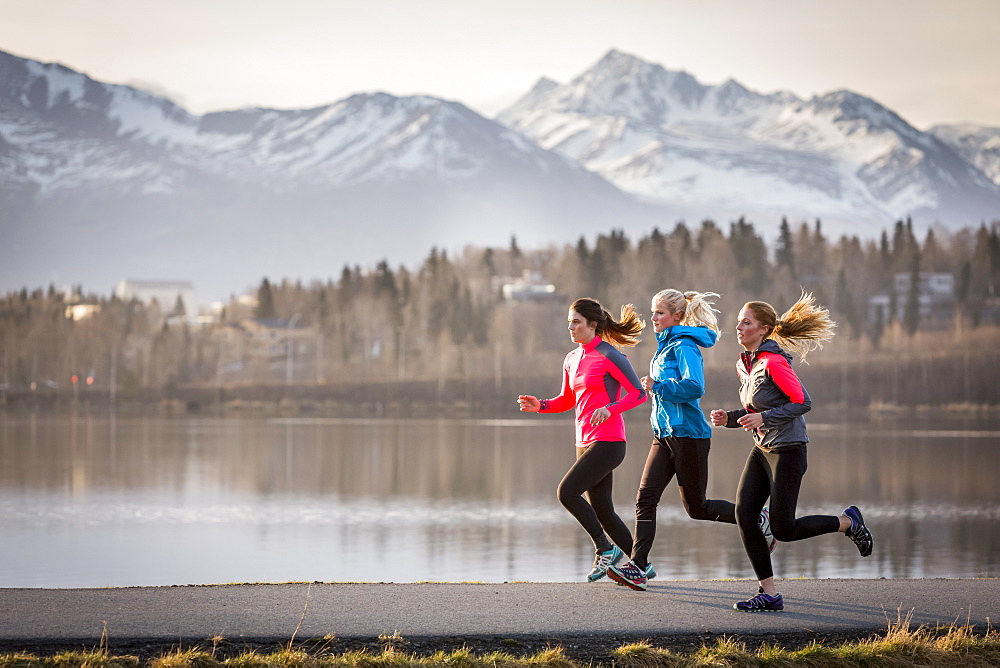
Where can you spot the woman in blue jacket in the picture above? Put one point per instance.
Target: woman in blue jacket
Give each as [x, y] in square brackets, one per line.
[684, 323]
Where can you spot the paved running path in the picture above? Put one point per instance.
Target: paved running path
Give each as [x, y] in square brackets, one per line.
[263, 613]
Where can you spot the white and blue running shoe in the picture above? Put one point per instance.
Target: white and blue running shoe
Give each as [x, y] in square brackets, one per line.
[650, 574]
[629, 575]
[602, 561]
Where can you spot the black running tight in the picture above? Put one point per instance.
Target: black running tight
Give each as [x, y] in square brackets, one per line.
[687, 458]
[592, 474]
[778, 475]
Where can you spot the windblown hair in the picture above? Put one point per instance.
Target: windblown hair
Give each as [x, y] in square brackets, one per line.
[696, 307]
[621, 332]
[802, 328]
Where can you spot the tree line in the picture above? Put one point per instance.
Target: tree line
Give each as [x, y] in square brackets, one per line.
[449, 319]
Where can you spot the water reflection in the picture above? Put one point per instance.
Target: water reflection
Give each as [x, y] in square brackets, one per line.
[94, 500]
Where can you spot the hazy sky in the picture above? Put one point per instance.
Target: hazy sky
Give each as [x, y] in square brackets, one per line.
[932, 61]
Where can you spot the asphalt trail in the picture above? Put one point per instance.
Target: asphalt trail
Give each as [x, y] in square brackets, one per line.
[480, 614]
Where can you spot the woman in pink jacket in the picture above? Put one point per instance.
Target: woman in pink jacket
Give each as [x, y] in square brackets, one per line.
[601, 384]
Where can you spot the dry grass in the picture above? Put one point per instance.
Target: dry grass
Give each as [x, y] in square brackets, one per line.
[900, 646]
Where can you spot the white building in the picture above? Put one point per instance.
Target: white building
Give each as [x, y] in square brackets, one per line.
[81, 311]
[165, 293]
[531, 286]
[934, 284]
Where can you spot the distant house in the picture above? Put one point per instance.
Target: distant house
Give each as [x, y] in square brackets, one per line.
[935, 296]
[165, 293]
[934, 284]
[530, 287]
[81, 311]
[267, 350]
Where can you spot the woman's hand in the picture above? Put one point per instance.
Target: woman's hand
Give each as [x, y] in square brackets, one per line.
[719, 417]
[528, 403]
[647, 383]
[751, 421]
[599, 416]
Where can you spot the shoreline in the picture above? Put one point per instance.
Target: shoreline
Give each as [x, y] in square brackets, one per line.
[441, 408]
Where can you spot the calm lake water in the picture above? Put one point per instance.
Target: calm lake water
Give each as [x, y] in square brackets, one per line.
[95, 500]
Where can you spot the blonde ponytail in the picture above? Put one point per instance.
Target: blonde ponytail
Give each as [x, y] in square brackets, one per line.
[696, 307]
[804, 327]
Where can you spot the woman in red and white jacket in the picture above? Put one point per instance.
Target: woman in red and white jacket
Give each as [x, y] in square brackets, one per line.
[601, 384]
[773, 402]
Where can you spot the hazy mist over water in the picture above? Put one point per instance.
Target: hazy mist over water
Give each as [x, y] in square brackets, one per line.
[96, 500]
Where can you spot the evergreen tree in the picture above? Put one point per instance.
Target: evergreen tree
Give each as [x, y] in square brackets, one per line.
[516, 257]
[784, 255]
[911, 310]
[932, 256]
[878, 326]
[488, 263]
[179, 310]
[751, 255]
[993, 243]
[682, 237]
[655, 269]
[843, 302]
[681, 248]
[265, 301]
[962, 291]
[384, 283]
[582, 252]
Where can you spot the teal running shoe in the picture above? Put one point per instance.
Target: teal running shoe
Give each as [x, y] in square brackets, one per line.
[602, 561]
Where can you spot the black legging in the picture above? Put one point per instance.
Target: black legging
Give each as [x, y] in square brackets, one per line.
[776, 474]
[687, 458]
[592, 474]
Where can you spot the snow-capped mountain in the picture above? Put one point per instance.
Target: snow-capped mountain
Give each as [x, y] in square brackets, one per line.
[102, 182]
[979, 145]
[725, 150]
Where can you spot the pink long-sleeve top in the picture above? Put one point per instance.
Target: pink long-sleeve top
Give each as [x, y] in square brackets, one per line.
[595, 375]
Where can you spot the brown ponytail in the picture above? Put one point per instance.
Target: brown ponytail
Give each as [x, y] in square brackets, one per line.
[621, 332]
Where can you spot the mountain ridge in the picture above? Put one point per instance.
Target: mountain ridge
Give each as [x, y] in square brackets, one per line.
[90, 171]
[102, 181]
[663, 135]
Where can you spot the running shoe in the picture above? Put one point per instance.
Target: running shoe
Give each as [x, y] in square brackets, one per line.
[858, 532]
[765, 526]
[761, 603]
[628, 574]
[650, 574]
[602, 561]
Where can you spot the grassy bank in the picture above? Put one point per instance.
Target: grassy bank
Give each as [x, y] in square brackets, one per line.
[899, 646]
